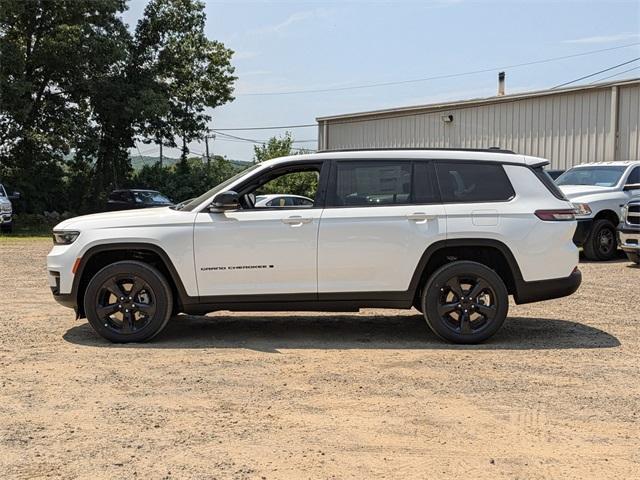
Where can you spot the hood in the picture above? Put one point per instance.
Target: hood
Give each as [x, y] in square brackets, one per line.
[144, 217]
[5, 200]
[574, 191]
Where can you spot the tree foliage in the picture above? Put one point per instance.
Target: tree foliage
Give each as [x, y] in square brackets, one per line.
[77, 89]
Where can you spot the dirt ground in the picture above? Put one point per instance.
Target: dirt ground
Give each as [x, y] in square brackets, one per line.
[555, 394]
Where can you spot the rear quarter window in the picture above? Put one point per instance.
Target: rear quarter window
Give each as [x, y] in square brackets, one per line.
[469, 182]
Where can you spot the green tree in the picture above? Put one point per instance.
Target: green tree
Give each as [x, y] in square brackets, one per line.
[193, 72]
[50, 54]
[303, 183]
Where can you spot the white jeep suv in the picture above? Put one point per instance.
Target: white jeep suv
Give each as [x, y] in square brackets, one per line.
[599, 191]
[450, 232]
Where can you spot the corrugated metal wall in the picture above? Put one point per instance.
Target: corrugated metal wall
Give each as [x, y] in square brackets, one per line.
[567, 128]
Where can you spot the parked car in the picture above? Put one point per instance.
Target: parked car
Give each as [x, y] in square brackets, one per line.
[554, 174]
[629, 231]
[6, 209]
[453, 233]
[599, 191]
[130, 199]
[281, 200]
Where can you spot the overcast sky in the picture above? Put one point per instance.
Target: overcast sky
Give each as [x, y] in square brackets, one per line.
[285, 46]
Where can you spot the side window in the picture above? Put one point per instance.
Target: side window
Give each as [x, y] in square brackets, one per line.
[285, 185]
[634, 177]
[372, 183]
[473, 182]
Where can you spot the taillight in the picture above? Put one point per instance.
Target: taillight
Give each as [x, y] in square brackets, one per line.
[564, 215]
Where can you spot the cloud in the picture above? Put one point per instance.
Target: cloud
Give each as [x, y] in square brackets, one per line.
[293, 19]
[618, 37]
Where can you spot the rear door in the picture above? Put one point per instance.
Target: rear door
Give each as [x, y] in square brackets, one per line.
[381, 216]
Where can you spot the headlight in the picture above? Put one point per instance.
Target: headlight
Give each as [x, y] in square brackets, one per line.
[64, 237]
[5, 208]
[582, 209]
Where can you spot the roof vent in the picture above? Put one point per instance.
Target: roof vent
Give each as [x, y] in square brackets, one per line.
[501, 76]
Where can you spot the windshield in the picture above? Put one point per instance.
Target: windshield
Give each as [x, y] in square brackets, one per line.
[218, 188]
[595, 176]
[150, 198]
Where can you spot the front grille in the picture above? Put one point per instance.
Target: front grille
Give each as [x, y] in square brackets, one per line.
[633, 214]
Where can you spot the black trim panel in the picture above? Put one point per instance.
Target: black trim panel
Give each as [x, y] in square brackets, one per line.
[582, 231]
[547, 289]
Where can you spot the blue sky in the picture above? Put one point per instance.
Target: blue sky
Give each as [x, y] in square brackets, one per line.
[284, 46]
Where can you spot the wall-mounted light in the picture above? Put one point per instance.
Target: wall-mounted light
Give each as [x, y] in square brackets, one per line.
[447, 118]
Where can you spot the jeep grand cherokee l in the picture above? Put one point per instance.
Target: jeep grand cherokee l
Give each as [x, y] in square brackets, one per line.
[452, 233]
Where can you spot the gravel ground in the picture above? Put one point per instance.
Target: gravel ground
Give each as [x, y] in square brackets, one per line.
[555, 394]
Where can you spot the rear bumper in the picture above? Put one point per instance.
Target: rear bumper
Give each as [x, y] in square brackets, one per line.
[528, 292]
[582, 231]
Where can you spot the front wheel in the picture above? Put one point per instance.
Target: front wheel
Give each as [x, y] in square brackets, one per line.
[465, 302]
[128, 301]
[601, 244]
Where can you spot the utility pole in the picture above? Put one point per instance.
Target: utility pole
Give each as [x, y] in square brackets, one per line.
[161, 153]
[206, 144]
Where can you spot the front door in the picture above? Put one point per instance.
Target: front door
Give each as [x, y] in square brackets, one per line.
[262, 250]
[381, 216]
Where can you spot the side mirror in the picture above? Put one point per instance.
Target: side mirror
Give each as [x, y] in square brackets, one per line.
[15, 196]
[631, 186]
[224, 201]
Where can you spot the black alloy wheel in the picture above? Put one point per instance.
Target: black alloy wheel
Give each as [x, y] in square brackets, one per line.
[602, 243]
[128, 301]
[465, 302]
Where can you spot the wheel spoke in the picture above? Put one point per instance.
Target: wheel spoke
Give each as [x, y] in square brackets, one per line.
[127, 322]
[478, 288]
[465, 323]
[136, 288]
[446, 308]
[114, 288]
[454, 284]
[485, 310]
[147, 309]
[107, 310]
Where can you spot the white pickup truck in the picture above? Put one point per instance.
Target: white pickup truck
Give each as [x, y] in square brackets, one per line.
[599, 191]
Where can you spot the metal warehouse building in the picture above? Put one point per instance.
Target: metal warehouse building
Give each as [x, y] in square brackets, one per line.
[593, 123]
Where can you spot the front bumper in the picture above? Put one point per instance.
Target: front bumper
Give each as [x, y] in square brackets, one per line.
[538, 291]
[582, 231]
[6, 218]
[629, 237]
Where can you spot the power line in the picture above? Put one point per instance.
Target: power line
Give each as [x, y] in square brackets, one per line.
[596, 73]
[438, 77]
[279, 127]
[260, 141]
[615, 75]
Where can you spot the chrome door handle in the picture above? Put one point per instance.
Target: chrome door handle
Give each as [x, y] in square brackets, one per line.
[296, 220]
[420, 216]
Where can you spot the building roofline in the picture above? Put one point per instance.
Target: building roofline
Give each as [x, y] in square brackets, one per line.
[474, 101]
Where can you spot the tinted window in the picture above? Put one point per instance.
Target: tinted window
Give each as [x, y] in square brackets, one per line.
[634, 176]
[473, 182]
[372, 183]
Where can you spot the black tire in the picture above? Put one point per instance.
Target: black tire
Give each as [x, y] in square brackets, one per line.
[602, 242]
[128, 301]
[481, 293]
[7, 228]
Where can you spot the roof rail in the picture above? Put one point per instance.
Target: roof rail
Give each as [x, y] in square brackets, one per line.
[382, 149]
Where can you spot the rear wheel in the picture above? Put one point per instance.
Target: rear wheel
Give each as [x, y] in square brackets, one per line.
[128, 301]
[465, 302]
[601, 244]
